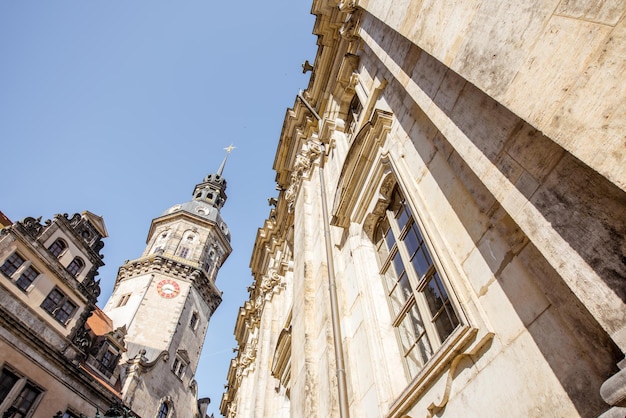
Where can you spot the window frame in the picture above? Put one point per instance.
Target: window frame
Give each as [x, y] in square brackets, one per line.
[76, 266]
[112, 360]
[9, 267]
[412, 317]
[161, 413]
[123, 300]
[56, 307]
[60, 247]
[27, 278]
[179, 367]
[17, 394]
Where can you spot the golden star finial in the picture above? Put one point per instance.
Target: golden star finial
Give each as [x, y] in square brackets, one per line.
[229, 148]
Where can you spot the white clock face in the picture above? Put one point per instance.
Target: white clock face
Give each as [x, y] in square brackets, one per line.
[168, 288]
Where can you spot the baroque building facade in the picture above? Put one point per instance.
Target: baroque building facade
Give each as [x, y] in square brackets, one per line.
[56, 358]
[63, 357]
[448, 237]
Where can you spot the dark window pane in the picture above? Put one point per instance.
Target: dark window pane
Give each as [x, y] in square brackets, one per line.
[402, 216]
[411, 241]
[11, 265]
[433, 297]
[25, 400]
[52, 301]
[28, 276]
[163, 410]
[75, 266]
[7, 381]
[65, 312]
[444, 325]
[398, 265]
[57, 247]
[420, 263]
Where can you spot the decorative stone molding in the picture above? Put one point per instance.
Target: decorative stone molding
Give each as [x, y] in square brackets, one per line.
[356, 169]
[271, 284]
[436, 408]
[348, 6]
[309, 152]
[246, 360]
[350, 28]
[140, 363]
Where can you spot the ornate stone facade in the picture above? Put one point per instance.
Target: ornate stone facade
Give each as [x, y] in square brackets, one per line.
[474, 173]
[57, 353]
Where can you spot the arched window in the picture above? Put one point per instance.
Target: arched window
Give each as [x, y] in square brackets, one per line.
[76, 266]
[163, 411]
[421, 307]
[57, 247]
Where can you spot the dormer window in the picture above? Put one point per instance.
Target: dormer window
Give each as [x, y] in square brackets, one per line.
[76, 266]
[58, 247]
[108, 362]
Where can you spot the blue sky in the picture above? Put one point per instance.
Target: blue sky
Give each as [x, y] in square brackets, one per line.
[120, 108]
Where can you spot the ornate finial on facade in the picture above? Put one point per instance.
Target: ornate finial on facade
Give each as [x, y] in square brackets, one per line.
[228, 150]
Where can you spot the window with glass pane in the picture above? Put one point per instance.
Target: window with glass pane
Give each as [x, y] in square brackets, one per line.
[25, 400]
[76, 266]
[27, 278]
[108, 362]
[163, 410]
[59, 306]
[421, 308]
[7, 380]
[57, 247]
[11, 265]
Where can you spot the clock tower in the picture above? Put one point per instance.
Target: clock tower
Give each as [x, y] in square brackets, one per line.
[165, 298]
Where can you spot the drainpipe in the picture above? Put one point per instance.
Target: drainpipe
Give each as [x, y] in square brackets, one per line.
[332, 287]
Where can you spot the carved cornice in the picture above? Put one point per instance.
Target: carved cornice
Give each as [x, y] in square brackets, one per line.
[174, 267]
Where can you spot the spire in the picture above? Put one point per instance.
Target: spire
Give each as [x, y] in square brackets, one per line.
[213, 187]
[228, 151]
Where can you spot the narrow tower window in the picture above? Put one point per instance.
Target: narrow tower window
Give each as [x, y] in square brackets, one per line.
[163, 411]
[193, 323]
[123, 300]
